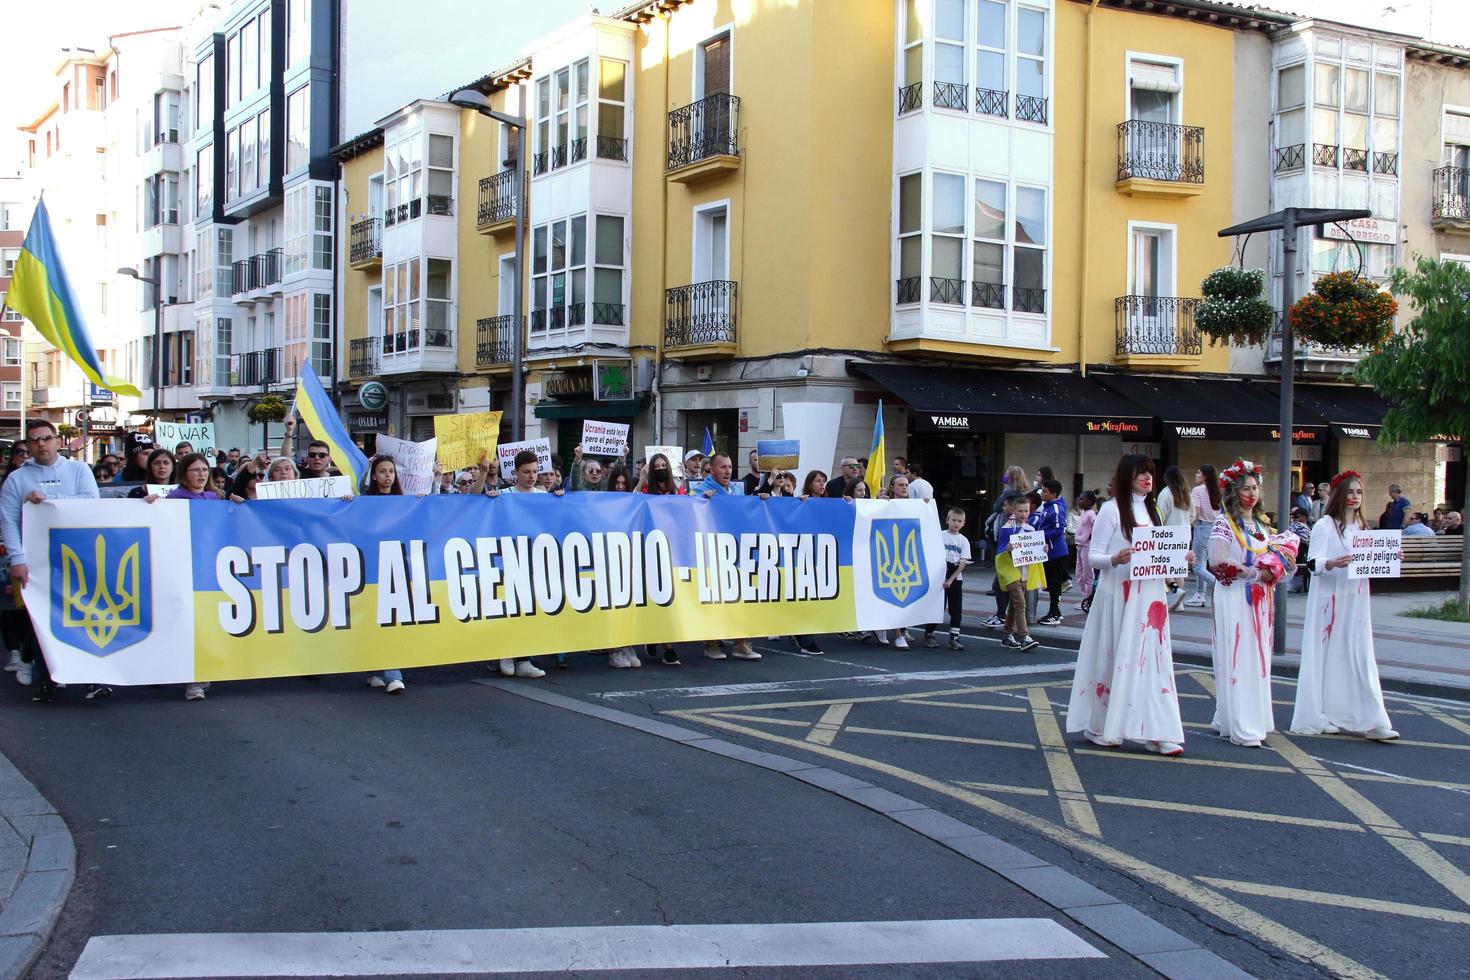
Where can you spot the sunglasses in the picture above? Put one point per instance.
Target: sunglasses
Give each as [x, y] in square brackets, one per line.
[317, 455]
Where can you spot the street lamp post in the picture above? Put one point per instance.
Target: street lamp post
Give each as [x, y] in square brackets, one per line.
[1288, 221]
[471, 99]
[132, 273]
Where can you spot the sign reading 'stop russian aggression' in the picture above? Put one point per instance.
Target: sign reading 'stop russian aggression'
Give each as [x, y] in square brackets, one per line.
[275, 588]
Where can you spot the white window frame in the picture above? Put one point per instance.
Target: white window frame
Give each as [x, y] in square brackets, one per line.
[12, 355]
[1162, 323]
[696, 77]
[697, 217]
[13, 396]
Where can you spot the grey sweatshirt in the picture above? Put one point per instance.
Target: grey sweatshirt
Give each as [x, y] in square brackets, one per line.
[65, 479]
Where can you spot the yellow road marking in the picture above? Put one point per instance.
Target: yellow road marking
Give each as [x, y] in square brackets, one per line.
[1076, 811]
[1206, 899]
[956, 704]
[1447, 839]
[875, 699]
[1341, 901]
[926, 736]
[1181, 760]
[1454, 723]
[998, 788]
[829, 725]
[1204, 679]
[1220, 811]
[1455, 881]
[755, 719]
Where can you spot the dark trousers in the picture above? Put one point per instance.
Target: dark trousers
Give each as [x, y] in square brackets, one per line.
[954, 601]
[1002, 600]
[1056, 574]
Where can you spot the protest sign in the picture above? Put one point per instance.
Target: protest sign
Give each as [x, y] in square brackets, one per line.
[1376, 554]
[604, 438]
[675, 456]
[200, 435]
[464, 440]
[777, 454]
[159, 489]
[814, 425]
[318, 487]
[508, 456]
[414, 462]
[1159, 552]
[123, 592]
[1028, 548]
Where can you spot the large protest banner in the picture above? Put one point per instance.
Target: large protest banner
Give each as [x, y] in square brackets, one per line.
[124, 592]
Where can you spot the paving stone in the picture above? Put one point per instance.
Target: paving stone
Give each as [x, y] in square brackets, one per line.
[829, 779]
[1059, 888]
[876, 798]
[993, 852]
[34, 906]
[17, 953]
[932, 823]
[44, 823]
[1194, 964]
[1130, 930]
[52, 852]
[26, 802]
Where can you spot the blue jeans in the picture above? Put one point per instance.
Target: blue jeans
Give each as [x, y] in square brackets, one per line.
[1201, 547]
[392, 675]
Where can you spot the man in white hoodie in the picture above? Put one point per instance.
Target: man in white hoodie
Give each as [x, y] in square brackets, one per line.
[45, 476]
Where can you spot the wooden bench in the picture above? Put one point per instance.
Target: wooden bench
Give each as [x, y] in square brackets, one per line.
[1436, 557]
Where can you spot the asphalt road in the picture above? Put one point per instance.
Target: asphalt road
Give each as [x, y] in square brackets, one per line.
[322, 806]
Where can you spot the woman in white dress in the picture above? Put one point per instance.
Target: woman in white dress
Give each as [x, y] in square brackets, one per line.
[1244, 608]
[1124, 684]
[1337, 689]
[1175, 511]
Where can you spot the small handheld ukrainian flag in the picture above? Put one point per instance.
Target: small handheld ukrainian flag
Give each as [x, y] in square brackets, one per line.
[874, 477]
[709, 444]
[320, 416]
[40, 292]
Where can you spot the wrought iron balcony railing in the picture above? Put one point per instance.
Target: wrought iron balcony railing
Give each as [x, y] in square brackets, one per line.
[362, 356]
[700, 313]
[497, 198]
[367, 240]
[704, 129]
[257, 368]
[540, 162]
[579, 149]
[908, 290]
[1160, 151]
[1452, 194]
[910, 97]
[951, 95]
[612, 148]
[494, 340]
[1386, 163]
[992, 102]
[1324, 154]
[1027, 299]
[1031, 108]
[1289, 158]
[1354, 159]
[608, 314]
[1161, 325]
[988, 295]
[951, 291]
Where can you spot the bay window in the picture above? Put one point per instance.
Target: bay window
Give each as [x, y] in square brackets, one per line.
[298, 129]
[440, 175]
[607, 282]
[611, 110]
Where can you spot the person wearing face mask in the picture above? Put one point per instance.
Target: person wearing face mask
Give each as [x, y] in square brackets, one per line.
[1337, 689]
[1241, 546]
[1124, 683]
[658, 480]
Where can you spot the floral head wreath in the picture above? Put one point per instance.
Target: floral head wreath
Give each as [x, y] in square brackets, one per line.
[1346, 475]
[1238, 470]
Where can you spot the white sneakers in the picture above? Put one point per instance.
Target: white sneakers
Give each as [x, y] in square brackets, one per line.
[194, 692]
[23, 675]
[623, 657]
[900, 641]
[744, 651]
[1164, 748]
[396, 687]
[1381, 734]
[1195, 601]
[1107, 743]
[526, 669]
[13, 664]
[714, 649]
[507, 666]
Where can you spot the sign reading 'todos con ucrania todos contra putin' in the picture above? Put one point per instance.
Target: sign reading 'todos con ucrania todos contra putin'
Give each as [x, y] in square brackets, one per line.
[124, 592]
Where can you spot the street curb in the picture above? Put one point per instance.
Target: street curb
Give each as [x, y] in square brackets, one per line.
[38, 861]
[1154, 945]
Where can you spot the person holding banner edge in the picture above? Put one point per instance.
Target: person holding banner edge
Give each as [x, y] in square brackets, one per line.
[1124, 682]
[1246, 559]
[382, 481]
[1337, 688]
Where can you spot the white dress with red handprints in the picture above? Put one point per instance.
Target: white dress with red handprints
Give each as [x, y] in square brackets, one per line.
[1338, 685]
[1124, 684]
[1244, 624]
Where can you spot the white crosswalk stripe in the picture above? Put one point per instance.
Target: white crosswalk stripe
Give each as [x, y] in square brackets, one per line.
[647, 948]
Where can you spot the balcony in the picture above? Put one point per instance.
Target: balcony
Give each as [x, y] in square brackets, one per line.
[704, 139]
[417, 350]
[1031, 108]
[1160, 160]
[700, 319]
[253, 278]
[494, 340]
[1311, 359]
[397, 214]
[256, 369]
[1157, 331]
[366, 250]
[1451, 200]
[496, 214]
[362, 356]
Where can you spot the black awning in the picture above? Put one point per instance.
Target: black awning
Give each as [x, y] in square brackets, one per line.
[1213, 408]
[1353, 411]
[948, 399]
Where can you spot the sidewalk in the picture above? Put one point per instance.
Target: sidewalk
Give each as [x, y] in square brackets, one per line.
[37, 866]
[1428, 653]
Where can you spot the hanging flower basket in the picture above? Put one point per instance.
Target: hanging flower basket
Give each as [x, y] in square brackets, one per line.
[1233, 309]
[271, 408]
[1344, 311]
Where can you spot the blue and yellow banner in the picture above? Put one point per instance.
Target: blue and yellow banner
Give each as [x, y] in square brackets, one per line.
[179, 591]
[41, 292]
[320, 415]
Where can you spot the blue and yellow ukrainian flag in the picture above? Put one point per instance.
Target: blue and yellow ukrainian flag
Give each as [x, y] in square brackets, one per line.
[320, 416]
[40, 292]
[876, 457]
